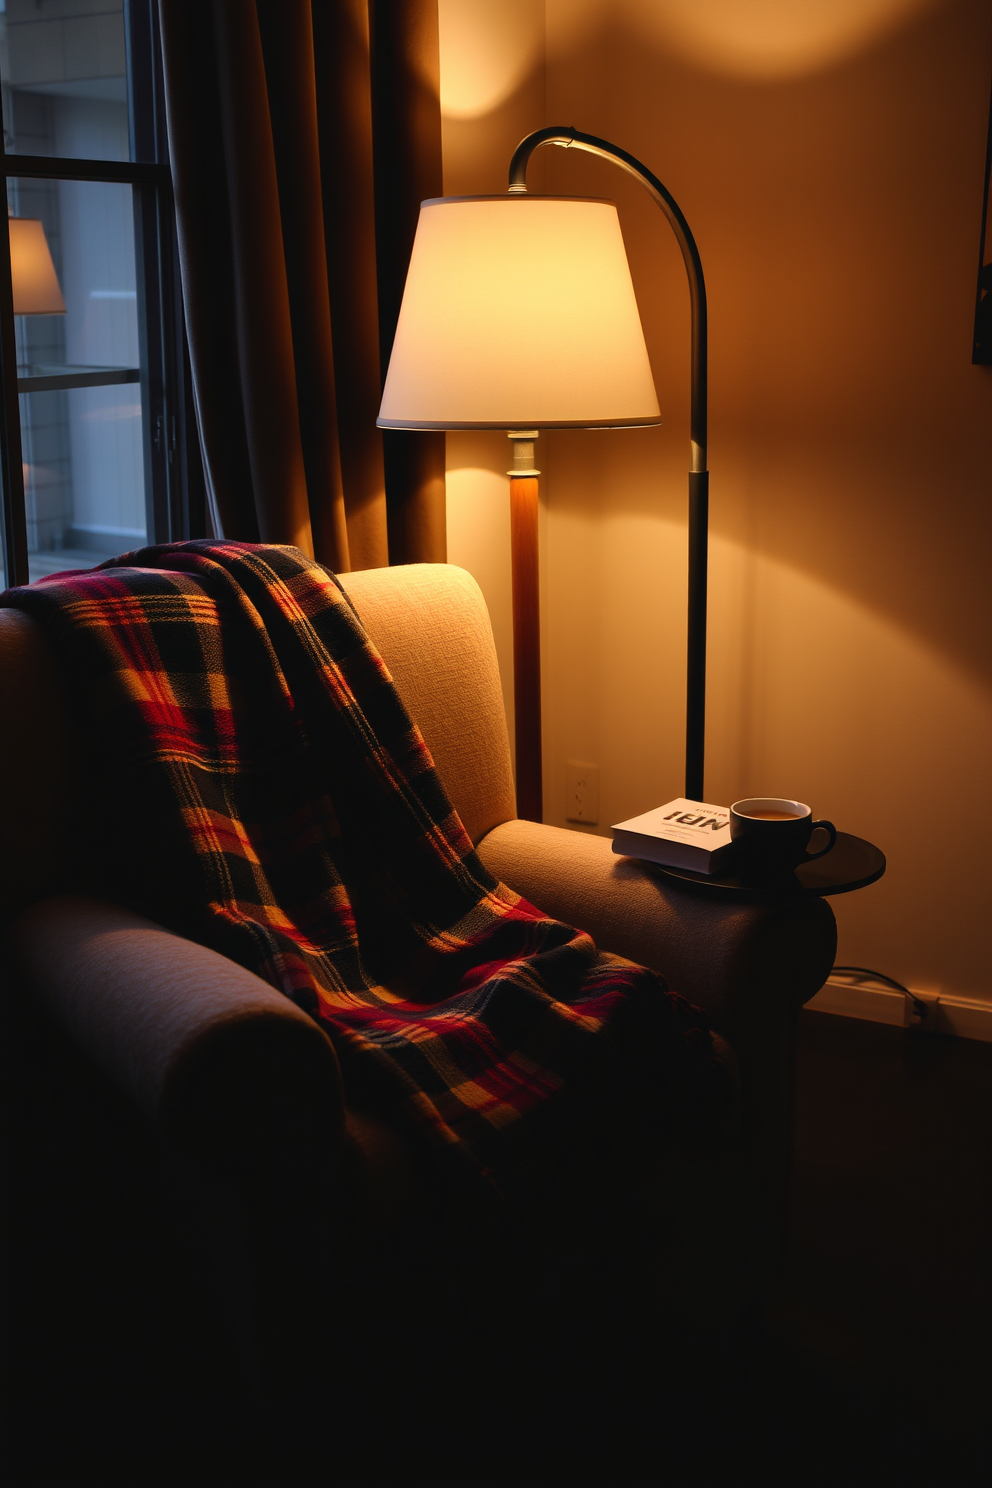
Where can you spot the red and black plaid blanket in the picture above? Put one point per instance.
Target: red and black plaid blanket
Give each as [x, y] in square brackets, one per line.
[269, 785]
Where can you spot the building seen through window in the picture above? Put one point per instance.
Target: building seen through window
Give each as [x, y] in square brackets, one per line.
[64, 75]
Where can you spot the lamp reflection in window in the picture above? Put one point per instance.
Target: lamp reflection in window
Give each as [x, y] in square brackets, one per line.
[33, 277]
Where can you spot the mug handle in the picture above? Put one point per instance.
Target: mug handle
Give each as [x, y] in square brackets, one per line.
[810, 857]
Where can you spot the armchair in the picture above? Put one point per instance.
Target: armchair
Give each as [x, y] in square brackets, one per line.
[239, 1082]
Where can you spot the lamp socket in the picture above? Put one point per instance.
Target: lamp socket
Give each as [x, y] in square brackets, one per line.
[581, 792]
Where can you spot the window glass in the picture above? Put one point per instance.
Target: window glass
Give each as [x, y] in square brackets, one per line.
[83, 486]
[62, 64]
[78, 370]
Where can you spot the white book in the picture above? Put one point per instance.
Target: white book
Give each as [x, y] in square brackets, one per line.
[680, 834]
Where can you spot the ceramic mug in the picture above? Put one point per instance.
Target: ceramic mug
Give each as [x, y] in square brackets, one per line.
[774, 834]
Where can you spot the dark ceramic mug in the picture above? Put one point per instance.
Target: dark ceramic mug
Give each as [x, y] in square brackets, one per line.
[773, 834]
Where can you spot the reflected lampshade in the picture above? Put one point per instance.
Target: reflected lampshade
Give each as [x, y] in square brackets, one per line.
[33, 276]
[518, 312]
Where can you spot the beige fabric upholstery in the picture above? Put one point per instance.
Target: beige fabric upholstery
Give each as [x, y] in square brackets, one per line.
[232, 1072]
[712, 950]
[430, 623]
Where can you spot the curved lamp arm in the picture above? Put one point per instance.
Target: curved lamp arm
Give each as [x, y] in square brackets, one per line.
[567, 137]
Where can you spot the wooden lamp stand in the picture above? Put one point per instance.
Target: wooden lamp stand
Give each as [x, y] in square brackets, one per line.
[526, 624]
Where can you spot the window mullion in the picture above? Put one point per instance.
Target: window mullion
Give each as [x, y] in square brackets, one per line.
[154, 380]
[15, 537]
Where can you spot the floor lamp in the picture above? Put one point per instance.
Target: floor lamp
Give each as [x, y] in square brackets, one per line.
[519, 314]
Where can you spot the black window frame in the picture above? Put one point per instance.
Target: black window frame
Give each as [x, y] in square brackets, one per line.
[175, 506]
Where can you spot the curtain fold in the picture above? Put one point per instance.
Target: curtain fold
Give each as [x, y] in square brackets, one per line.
[303, 135]
[406, 124]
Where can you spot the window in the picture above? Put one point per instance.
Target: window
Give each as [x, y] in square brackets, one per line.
[95, 387]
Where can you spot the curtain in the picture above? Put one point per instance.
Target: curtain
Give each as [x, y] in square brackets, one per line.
[303, 135]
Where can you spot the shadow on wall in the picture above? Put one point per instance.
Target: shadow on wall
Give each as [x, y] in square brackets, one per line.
[757, 38]
[478, 521]
[838, 214]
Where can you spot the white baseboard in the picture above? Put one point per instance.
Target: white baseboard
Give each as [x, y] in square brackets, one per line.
[966, 1017]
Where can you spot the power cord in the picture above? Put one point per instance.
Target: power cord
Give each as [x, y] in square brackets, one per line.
[865, 974]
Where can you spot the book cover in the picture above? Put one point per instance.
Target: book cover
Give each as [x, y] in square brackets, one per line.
[680, 834]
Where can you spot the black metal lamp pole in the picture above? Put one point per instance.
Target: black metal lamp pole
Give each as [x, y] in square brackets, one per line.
[698, 474]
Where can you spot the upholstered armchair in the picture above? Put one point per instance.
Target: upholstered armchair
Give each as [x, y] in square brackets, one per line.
[237, 1081]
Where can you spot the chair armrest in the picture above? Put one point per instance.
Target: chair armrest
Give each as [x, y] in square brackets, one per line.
[234, 1075]
[718, 953]
[749, 966]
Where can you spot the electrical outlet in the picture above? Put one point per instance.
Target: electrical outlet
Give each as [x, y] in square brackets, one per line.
[922, 1017]
[581, 792]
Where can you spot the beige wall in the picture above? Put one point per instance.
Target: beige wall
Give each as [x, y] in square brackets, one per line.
[830, 165]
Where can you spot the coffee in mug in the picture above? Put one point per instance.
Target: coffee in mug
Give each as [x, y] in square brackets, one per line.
[773, 834]
[774, 815]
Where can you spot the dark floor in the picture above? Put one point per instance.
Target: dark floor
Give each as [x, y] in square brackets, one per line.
[887, 1306]
[871, 1366]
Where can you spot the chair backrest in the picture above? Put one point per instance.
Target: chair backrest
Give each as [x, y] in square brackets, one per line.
[40, 843]
[430, 624]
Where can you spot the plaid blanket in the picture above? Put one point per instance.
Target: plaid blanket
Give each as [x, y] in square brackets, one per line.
[270, 788]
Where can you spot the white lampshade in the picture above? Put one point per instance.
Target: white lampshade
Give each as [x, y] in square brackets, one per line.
[518, 313]
[35, 282]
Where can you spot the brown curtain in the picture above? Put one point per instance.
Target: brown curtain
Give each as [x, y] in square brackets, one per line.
[303, 135]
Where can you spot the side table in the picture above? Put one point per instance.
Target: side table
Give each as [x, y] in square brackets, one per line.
[852, 863]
